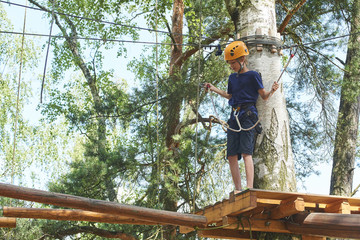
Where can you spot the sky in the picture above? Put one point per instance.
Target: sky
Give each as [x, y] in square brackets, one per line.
[35, 23]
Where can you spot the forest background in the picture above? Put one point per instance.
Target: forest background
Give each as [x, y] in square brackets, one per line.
[54, 147]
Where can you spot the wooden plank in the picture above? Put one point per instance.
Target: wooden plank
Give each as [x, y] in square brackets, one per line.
[70, 201]
[311, 198]
[6, 222]
[71, 215]
[308, 237]
[227, 234]
[258, 225]
[338, 207]
[288, 207]
[242, 203]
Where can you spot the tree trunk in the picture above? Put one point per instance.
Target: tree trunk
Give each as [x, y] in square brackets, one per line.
[348, 119]
[173, 105]
[274, 164]
[273, 159]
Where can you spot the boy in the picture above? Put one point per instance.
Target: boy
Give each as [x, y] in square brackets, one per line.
[244, 87]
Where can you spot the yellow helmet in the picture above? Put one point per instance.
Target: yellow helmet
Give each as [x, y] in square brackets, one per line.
[235, 50]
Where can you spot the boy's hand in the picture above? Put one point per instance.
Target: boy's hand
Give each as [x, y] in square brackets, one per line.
[274, 87]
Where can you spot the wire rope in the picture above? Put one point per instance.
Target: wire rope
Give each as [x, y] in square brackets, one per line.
[48, 48]
[17, 101]
[109, 40]
[157, 110]
[197, 107]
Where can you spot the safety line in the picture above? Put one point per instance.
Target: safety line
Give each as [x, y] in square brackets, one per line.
[47, 52]
[197, 109]
[160, 31]
[17, 101]
[108, 40]
[319, 41]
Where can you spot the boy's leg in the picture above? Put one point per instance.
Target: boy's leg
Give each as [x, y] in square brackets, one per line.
[249, 169]
[235, 171]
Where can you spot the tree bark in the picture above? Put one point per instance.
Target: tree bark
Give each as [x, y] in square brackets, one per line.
[173, 105]
[348, 119]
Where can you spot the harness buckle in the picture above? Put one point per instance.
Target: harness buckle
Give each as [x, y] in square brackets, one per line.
[237, 109]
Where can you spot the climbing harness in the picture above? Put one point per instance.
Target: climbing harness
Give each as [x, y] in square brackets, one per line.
[225, 125]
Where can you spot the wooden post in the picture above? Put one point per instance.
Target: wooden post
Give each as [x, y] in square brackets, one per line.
[71, 215]
[70, 201]
[6, 222]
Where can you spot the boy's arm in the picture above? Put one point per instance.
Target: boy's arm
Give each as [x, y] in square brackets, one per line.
[209, 86]
[267, 94]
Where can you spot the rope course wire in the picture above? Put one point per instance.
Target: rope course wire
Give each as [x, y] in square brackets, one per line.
[109, 40]
[256, 39]
[17, 100]
[197, 106]
[48, 48]
[172, 44]
[158, 163]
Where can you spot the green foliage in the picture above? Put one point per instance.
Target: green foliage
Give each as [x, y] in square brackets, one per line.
[111, 140]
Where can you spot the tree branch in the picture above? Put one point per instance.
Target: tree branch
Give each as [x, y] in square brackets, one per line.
[289, 16]
[207, 41]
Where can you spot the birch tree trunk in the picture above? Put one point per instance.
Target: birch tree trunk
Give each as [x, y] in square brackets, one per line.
[273, 159]
[348, 119]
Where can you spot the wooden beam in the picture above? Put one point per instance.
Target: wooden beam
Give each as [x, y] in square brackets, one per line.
[288, 207]
[70, 201]
[321, 232]
[329, 220]
[307, 237]
[338, 207]
[258, 225]
[326, 224]
[243, 202]
[227, 234]
[6, 222]
[71, 215]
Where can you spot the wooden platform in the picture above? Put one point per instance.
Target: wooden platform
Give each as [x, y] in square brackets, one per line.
[241, 216]
[311, 215]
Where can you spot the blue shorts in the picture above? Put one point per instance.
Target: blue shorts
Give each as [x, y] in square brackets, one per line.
[243, 141]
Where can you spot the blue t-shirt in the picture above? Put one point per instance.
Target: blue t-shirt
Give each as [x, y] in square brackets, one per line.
[244, 88]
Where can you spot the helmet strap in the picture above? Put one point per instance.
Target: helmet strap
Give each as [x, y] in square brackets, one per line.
[241, 66]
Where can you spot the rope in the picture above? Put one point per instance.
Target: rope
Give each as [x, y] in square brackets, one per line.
[238, 223]
[197, 107]
[47, 52]
[109, 40]
[157, 111]
[18, 99]
[225, 125]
